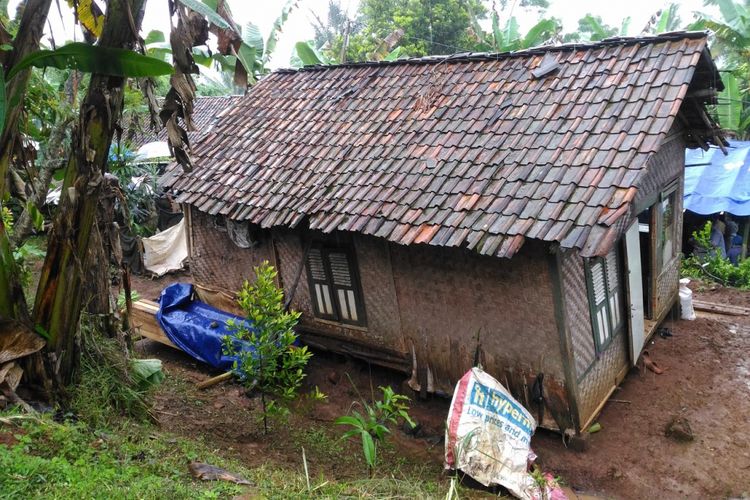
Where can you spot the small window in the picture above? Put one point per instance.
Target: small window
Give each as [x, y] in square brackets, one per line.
[334, 285]
[667, 249]
[605, 298]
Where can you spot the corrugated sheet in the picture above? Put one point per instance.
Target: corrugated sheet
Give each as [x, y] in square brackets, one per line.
[468, 150]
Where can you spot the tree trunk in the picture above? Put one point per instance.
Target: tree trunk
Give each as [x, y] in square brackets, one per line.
[54, 151]
[30, 30]
[61, 287]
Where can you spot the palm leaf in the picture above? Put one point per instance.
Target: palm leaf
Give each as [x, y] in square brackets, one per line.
[273, 36]
[539, 33]
[368, 447]
[94, 59]
[207, 12]
[306, 54]
[729, 109]
[252, 37]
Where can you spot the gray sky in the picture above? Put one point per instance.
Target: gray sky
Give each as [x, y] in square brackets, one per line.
[299, 25]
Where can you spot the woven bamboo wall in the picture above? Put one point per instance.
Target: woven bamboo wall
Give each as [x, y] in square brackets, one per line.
[216, 261]
[448, 297]
[664, 167]
[577, 314]
[596, 375]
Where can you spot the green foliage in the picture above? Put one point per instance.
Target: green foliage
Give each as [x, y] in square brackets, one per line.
[713, 267]
[308, 56]
[71, 460]
[509, 37]
[731, 50]
[23, 255]
[371, 425]
[94, 59]
[141, 209]
[134, 295]
[7, 218]
[108, 388]
[273, 365]
[429, 27]
[138, 461]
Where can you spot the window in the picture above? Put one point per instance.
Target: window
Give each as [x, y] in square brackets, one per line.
[666, 224]
[334, 285]
[605, 298]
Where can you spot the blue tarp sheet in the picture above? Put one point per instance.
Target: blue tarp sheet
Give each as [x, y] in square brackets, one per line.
[718, 183]
[195, 327]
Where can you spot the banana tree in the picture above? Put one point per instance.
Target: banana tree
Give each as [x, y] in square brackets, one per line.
[509, 37]
[245, 44]
[731, 48]
[61, 286]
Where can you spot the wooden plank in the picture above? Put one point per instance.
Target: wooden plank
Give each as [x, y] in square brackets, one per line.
[726, 309]
[214, 380]
[157, 336]
[144, 322]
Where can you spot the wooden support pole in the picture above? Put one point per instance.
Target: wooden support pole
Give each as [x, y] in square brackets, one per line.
[745, 234]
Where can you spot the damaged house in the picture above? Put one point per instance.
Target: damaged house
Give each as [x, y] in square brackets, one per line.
[519, 210]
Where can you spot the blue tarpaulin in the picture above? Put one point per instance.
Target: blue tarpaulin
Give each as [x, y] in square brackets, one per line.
[195, 327]
[718, 183]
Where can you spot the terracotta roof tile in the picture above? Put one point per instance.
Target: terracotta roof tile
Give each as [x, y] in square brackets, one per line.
[462, 150]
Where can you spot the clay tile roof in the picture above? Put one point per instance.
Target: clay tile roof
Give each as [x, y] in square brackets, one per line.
[205, 111]
[480, 151]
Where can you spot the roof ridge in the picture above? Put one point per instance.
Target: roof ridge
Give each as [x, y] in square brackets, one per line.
[532, 51]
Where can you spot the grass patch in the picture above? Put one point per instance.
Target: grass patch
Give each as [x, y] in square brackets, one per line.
[107, 389]
[70, 460]
[133, 460]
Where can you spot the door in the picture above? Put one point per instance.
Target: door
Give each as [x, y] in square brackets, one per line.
[636, 325]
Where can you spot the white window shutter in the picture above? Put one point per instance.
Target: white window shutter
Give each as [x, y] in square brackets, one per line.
[320, 286]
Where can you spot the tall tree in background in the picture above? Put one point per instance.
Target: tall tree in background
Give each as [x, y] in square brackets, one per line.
[731, 49]
[429, 26]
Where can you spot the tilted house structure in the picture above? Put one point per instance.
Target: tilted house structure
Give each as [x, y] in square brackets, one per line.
[521, 209]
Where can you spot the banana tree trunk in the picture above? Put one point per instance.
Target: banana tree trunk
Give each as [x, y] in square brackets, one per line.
[62, 286]
[30, 30]
[27, 39]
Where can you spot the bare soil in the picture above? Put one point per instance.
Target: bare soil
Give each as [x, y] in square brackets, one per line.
[706, 381]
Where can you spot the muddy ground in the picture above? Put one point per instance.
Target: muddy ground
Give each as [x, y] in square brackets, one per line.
[706, 381]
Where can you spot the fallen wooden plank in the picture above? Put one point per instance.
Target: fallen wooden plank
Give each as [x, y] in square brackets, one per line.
[726, 309]
[158, 336]
[214, 380]
[143, 320]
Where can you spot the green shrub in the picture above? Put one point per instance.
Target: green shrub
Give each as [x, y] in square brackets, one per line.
[273, 364]
[714, 267]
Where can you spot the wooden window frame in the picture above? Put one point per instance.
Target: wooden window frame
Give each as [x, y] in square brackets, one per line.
[670, 191]
[325, 249]
[610, 311]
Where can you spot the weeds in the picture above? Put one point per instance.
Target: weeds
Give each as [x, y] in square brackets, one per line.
[71, 461]
[108, 388]
[372, 424]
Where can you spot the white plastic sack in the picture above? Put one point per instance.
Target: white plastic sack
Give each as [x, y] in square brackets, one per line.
[686, 300]
[167, 250]
[488, 434]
